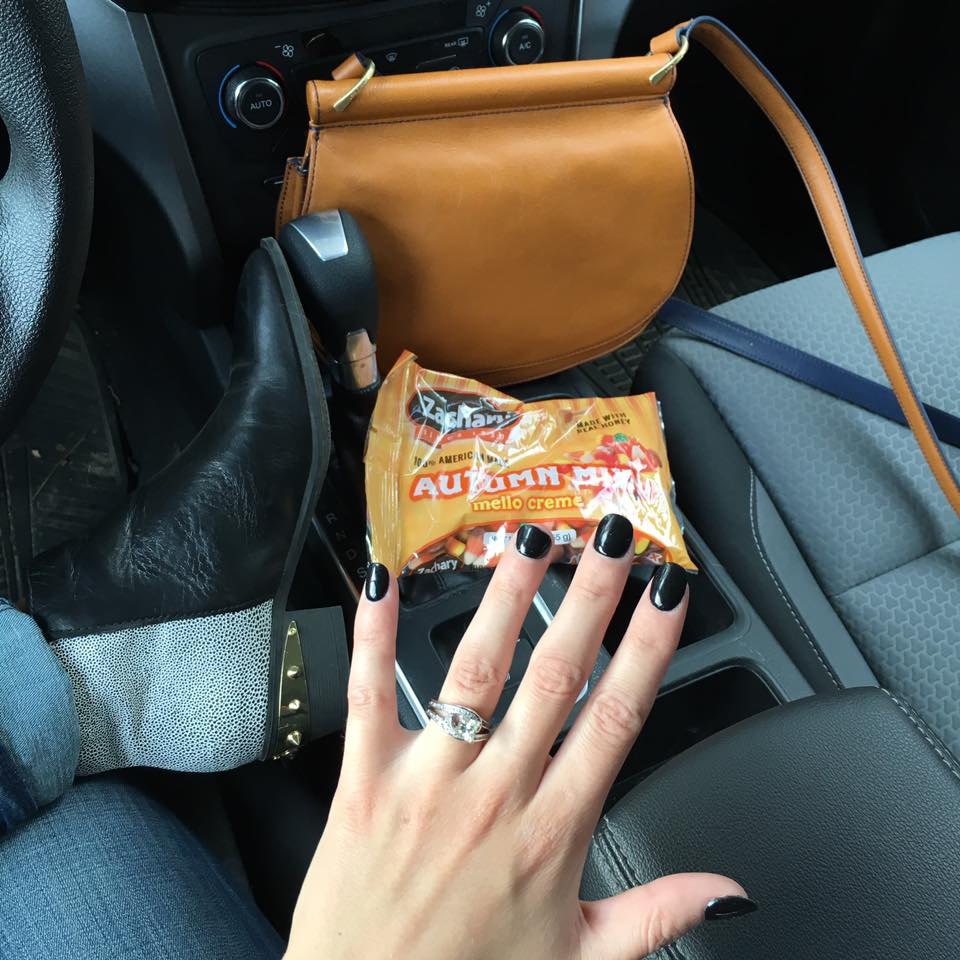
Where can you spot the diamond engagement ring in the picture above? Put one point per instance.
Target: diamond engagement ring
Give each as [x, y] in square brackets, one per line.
[458, 722]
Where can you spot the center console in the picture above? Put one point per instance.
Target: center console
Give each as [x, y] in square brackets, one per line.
[225, 79]
[837, 815]
[238, 79]
[728, 667]
[197, 104]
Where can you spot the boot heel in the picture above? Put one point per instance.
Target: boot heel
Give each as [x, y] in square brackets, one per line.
[312, 687]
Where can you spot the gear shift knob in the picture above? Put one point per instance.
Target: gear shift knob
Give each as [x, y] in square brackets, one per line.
[333, 268]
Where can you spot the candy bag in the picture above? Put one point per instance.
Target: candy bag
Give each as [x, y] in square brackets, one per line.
[454, 467]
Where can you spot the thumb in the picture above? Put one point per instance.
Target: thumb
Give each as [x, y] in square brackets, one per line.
[642, 920]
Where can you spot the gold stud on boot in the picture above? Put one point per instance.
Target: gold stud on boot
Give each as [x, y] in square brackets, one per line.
[293, 710]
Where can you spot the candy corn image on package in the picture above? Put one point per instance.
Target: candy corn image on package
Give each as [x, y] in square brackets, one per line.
[454, 467]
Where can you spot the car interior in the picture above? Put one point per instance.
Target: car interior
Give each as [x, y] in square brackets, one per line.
[805, 733]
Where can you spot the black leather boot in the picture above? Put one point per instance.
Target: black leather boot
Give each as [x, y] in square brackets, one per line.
[170, 618]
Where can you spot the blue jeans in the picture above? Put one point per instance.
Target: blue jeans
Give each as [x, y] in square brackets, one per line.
[102, 871]
[39, 729]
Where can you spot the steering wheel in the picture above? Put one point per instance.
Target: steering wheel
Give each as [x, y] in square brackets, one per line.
[46, 193]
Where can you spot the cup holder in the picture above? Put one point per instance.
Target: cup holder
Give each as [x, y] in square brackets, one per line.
[688, 714]
[708, 615]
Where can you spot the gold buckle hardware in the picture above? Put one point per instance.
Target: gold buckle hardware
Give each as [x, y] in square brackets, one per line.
[658, 75]
[348, 98]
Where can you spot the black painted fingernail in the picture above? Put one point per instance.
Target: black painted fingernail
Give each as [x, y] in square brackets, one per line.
[533, 542]
[723, 907]
[614, 536]
[378, 581]
[668, 586]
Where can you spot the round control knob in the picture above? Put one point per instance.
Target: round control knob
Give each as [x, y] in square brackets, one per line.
[254, 97]
[517, 37]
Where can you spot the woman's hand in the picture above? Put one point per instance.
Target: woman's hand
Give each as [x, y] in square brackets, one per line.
[438, 849]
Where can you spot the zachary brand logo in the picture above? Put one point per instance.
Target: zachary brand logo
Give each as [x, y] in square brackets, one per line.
[448, 413]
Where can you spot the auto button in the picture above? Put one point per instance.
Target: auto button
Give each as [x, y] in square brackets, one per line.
[254, 97]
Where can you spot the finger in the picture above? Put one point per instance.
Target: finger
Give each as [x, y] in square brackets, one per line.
[479, 667]
[644, 919]
[565, 655]
[373, 729]
[594, 750]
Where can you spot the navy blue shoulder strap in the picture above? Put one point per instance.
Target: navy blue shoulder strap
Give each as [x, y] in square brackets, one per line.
[804, 367]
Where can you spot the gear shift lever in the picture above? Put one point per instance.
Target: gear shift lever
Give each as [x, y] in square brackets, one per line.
[333, 268]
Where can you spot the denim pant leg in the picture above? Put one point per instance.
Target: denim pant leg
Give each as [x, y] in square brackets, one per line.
[39, 729]
[106, 873]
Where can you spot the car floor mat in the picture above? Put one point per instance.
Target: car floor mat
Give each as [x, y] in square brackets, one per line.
[63, 467]
[721, 266]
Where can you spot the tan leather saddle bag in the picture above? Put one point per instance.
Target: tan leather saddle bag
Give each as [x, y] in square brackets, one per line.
[525, 219]
[522, 219]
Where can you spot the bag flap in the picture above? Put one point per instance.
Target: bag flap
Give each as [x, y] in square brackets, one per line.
[489, 90]
[522, 220]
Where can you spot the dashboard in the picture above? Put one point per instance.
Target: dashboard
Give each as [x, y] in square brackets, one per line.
[239, 81]
[198, 103]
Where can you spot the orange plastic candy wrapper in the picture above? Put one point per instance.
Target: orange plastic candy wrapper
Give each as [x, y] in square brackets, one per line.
[454, 467]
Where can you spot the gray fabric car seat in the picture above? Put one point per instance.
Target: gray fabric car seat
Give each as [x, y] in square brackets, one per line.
[784, 481]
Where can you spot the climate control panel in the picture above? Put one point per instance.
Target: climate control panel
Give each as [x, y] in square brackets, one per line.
[240, 79]
[251, 95]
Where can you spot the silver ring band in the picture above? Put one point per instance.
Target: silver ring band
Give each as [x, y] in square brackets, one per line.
[459, 722]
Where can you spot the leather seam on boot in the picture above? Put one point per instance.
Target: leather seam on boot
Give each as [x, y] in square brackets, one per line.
[106, 628]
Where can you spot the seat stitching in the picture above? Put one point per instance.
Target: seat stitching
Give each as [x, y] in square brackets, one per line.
[899, 566]
[627, 873]
[746, 321]
[776, 582]
[756, 537]
[942, 753]
[672, 950]
[615, 855]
